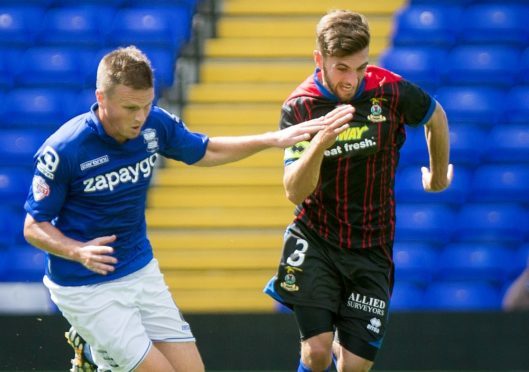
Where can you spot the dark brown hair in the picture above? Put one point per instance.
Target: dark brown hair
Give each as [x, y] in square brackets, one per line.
[341, 33]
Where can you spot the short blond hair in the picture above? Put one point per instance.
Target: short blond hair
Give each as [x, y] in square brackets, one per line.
[342, 32]
[127, 66]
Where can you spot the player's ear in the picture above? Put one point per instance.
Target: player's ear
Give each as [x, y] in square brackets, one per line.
[99, 96]
[318, 59]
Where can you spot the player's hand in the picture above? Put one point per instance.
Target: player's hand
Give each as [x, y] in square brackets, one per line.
[95, 255]
[334, 122]
[436, 184]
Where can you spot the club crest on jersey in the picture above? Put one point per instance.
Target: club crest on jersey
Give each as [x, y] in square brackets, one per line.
[48, 162]
[40, 188]
[376, 111]
[150, 138]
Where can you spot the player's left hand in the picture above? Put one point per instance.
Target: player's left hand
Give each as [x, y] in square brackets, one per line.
[436, 184]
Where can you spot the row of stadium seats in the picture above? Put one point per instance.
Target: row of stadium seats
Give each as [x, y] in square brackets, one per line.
[469, 105]
[167, 26]
[432, 223]
[496, 67]
[434, 67]
[69, 67]
[448, 25]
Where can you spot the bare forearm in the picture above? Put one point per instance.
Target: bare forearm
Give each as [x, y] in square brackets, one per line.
[47, 237]
[438, 140]
[222, 150]
[302, 176]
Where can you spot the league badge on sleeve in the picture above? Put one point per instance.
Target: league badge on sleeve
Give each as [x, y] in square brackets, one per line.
[48, 162]
[40, 188]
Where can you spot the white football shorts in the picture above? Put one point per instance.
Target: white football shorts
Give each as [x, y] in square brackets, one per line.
[120, 319]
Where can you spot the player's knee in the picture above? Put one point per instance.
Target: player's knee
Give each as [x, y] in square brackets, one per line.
[317, 357]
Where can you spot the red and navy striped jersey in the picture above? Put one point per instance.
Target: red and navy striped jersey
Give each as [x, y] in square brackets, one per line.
[353, 205]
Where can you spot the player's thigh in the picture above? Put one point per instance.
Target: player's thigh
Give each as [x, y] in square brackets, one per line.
[105, 317]
[349, 362]
[160, 316]
[182, 356]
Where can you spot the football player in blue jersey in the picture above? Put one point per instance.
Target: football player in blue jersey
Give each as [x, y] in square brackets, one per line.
[86, 209]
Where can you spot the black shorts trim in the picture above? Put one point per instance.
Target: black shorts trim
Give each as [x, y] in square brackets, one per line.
[313, 321]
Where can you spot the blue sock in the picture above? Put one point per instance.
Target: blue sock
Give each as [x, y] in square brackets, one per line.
[303, 368]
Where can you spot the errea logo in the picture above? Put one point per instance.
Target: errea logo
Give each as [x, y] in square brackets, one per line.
[111, 180]
[374, 325]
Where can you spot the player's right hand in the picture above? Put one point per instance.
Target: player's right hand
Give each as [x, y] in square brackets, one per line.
[96, 255]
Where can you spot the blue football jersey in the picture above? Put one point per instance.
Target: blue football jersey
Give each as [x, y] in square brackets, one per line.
[88, 185]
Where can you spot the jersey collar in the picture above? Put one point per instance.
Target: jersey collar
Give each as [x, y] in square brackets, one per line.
[328, 94]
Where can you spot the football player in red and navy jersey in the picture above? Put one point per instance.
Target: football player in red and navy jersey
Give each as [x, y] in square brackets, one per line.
[336, 271]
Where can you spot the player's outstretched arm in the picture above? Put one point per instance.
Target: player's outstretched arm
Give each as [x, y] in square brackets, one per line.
[222, 150]
[439, 176]
[95, 255]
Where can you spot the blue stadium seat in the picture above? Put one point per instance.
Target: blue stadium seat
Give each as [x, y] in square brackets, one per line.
[429, 223]
[521, 259]
[414, 151]
[77, 25]
[414, 262]
[18, 146]
[482, 65]
[409, 189]
[38, 108]
[114, 3]
[501, 183]
[53, 67]
[85, 99]
[523, 68]
[26, 263]
[441, 2]
[499, 22]
[492, 223]
[14, 185]
[420, 65]
[163, 62]
[473, 105]
[191, 5]
[481, 262]
[462, 296]
[19, 24]
[517, 110]
[406, 296]
[6, 77]
[29, 3]
[7, 230]
[467, 144]
[10, 57]
[508, 144]
[165, 27]
[427, 25]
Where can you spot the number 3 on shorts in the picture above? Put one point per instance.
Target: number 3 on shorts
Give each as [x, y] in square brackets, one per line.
[298, 256]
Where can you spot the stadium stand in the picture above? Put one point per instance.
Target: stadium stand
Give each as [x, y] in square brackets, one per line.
[216, 241]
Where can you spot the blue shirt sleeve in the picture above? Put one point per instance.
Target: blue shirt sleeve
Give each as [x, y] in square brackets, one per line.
[180, 143]
[49, 185]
